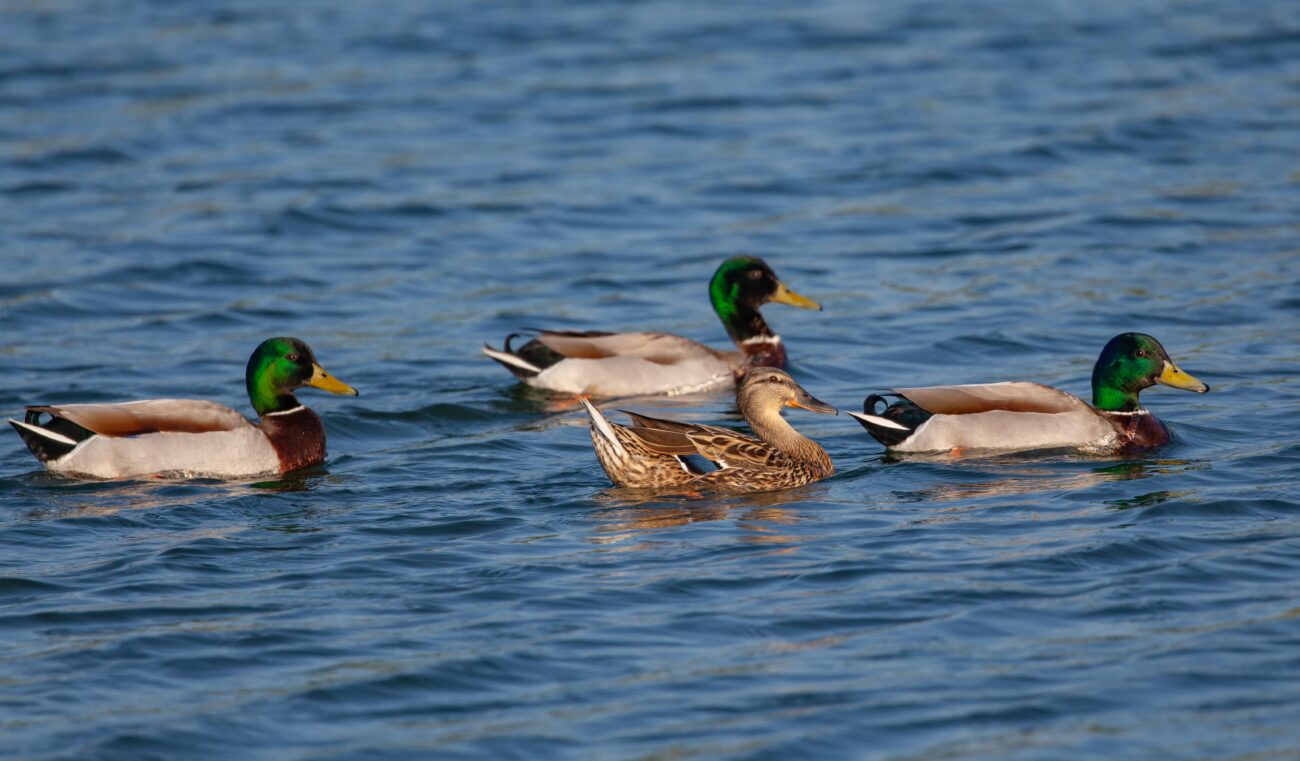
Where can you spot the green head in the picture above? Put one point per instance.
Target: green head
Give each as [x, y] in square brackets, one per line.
[1130, 363]
[740, 286]
[281, 365]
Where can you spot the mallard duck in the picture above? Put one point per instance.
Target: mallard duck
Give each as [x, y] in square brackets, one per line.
[643, 364]
[1021, 415]
[653, 453]
[191, 436]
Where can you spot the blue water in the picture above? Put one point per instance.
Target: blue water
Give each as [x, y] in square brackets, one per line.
[975, 191]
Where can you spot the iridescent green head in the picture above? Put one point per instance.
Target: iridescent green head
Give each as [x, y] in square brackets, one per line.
[740, 286]
[281, 365]
[1130, 363]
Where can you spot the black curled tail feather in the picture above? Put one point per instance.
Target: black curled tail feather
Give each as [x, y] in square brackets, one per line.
[54, 446]
[530, 359]
[869, 404]
[904, 412]
[534, 352]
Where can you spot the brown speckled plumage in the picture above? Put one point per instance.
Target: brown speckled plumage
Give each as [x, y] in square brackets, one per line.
[651, 452]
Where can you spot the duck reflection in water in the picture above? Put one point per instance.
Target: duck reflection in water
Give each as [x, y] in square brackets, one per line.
[767, 518]
[1021, 478]
[66, 498]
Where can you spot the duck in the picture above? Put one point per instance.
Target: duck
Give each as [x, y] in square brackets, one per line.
[654, 454]
[1022, 415]
[604, 364]
[192, 437]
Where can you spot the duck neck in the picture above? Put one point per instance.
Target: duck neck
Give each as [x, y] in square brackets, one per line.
[749, 331]
[1110, 397]
[267, 389]
[267, 399]
[769, 426]
[1112, 400]
[741, 319]
[761, 351]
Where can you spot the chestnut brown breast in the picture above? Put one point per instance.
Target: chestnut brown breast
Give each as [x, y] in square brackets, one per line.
[298, 438]
[1139, 432]
[761, 354]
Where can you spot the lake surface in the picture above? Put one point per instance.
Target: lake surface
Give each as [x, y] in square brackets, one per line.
[975, 191]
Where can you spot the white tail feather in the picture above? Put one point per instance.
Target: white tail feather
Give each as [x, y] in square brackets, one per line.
[511, 359]
[605, 428]
[880, 421]
[45, 433]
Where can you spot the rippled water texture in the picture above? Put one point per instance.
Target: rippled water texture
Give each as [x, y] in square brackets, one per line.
[976, 191]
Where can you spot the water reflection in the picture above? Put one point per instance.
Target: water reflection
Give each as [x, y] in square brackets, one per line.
[294, 482]
[766, 518]
[1023, 478]
[1146, 500]
[64, 497]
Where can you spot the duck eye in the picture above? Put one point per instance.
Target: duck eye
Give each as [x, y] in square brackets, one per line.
[1141, 352]
[755, 274]
[291, 357]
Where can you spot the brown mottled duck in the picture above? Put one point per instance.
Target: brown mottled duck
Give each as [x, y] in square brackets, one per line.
[654, 453]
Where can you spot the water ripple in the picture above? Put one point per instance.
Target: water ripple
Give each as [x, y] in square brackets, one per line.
[975, 192]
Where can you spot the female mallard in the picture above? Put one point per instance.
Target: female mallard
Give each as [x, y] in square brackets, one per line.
[652, 453]
[1021, 415]
[190, 436]
[641, 364]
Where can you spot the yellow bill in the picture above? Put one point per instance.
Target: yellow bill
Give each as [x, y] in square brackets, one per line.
[1172, 376]
[786, 296]
[326, 382]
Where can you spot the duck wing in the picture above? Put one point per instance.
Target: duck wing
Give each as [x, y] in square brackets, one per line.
[1012, 396]
[616, 364]
[721, 445]
[148, 416]
[660, 348]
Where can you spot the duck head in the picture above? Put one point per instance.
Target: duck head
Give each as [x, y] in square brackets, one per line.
[740, 286]
[766, 388]
[281, 365]
[1131, 362]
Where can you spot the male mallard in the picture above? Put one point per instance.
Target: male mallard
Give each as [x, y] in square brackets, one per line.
[1022, 415]
[191, 436]
[652, 453]
[641, 364]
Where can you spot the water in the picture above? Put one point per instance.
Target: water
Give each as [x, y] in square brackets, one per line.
[976, 192]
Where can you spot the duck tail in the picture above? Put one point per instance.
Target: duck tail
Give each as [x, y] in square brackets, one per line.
[599, 423]
[512, 361]
[529, 360]
[895, 423]
[52, 441]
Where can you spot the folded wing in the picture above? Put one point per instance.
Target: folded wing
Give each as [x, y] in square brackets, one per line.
[1014, 396]
[149, 416]
[723, 446]
[660, 348]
